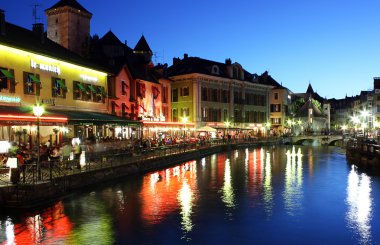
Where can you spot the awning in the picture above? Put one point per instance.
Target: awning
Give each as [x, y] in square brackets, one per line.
[206, 129]
[80, 86]
[23, 115]
[34, 78]
[61, 84]
[93, 118]
[91, 88]
[6, 73]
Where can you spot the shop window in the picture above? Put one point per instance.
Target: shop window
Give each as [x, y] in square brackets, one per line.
[32, 83]
[59, 88]
[7, 80]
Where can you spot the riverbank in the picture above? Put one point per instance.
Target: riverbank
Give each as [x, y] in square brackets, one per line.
[26, 195]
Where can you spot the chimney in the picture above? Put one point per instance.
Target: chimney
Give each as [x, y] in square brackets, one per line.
[185, 56]
[126, 43]
[38, 31]
[228, 61]
[2, 23]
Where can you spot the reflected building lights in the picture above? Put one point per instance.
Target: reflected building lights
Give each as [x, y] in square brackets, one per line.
[10, 232]
[228, 196]
[293, 181]
[359, 203]
[185, 197]
[268, 194]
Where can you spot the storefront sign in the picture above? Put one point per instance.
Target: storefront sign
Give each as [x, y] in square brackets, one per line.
[48, 101]
[45, 67]
[9, 99]
[89, 78]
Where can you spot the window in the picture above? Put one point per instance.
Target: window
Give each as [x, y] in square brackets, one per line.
[185, 91]
[225, 115]
[276, 96]
[276, 121]
[165, 95]
[7, 80]
[185, 112]
[58, 87]
[204, 94]
[124, 87]
[175, 95]
[175, 115]
[80, 91]
[225, 96]
[275, 108]
[32, 84]
[215, 70]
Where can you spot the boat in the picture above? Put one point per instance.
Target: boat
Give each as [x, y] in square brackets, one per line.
[363, 153]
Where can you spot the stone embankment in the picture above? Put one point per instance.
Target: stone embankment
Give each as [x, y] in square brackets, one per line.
[29, 195]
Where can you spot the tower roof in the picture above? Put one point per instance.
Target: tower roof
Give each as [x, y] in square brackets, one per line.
[68, 3]
[142, 45]
[310, 89]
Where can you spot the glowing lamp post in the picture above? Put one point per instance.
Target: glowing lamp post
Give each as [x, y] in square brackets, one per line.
[38, 111]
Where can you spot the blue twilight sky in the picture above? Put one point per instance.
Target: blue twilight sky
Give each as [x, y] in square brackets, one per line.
[333, 44]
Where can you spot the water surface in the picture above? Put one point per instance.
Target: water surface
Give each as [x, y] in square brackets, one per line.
[274, 195]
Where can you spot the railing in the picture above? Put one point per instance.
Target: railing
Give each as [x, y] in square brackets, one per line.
[55, 171]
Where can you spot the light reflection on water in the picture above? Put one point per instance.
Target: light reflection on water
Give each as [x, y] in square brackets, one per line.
[359, 203]
[293, 181]
[197, 201]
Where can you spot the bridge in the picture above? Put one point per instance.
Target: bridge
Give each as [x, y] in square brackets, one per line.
[319, 139]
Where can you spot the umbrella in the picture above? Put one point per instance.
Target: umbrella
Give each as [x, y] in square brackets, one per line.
[206, 129]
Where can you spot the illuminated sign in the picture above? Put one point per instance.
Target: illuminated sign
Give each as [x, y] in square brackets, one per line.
[45, 67]
[48, 101]
[9, 99]
[89, 78]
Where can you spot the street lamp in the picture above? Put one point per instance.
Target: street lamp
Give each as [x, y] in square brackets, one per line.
[38, 110]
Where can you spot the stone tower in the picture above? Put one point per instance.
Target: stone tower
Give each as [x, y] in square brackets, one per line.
[68, 23]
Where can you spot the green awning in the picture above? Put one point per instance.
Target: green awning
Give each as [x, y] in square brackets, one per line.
[61, 84]
[91, 88]
[34, 78]
[6, 73]
[92, 118]
[80, 86]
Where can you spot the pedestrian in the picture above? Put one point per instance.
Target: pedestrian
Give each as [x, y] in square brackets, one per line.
[77, 151]
[65, 151]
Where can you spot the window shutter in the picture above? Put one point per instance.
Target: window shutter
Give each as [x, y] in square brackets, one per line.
[12, 87]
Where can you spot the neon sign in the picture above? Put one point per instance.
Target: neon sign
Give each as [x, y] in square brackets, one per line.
[9, 99]
[89, 78]
[45, 67]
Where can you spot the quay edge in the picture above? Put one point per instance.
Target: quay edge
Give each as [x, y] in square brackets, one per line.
[42, 193]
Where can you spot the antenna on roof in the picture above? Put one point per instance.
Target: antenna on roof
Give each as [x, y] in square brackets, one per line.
[35, 17]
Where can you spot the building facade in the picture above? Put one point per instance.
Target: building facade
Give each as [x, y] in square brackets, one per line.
[220, 95]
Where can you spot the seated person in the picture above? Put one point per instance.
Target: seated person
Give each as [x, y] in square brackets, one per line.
[3, 160]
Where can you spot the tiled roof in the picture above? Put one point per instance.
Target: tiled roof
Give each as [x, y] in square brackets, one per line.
[304, 110]
[69, 3]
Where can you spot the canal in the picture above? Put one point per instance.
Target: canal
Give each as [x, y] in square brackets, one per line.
[270, 195]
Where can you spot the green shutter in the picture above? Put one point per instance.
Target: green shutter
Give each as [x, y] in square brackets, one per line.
[91, 88]
[61, 84]
[80, 86]
[34, 78]
[6, 73]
